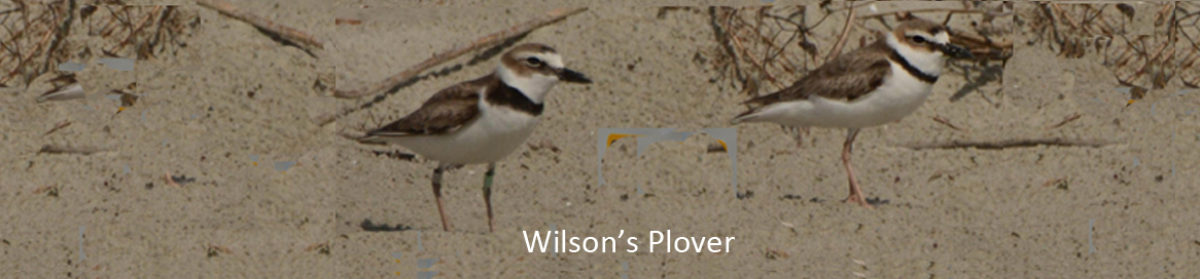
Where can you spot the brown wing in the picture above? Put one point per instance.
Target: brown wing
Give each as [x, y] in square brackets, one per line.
[445, 112]
[847, 77]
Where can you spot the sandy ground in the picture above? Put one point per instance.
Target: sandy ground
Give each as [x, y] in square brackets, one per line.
[233, 108]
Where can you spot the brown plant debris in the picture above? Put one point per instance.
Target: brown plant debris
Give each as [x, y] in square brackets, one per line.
[213, 250]
[37, 36]
[284, 32]
[944, 121]
[1140, 53]
[58, 126]
[1060, 183]
[320, 247]
[66, 149]
[50, 190]
[1009, 143]
[1065, 120]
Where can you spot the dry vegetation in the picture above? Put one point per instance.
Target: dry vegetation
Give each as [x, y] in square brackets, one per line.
[1118, 33]
[35, 36]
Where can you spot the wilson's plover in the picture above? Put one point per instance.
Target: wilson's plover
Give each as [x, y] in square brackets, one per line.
[873, 85]
[482, 120]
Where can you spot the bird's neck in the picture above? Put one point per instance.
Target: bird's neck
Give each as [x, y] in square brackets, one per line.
[535, 86]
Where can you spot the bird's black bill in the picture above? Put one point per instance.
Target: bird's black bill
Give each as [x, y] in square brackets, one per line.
[955, 51]
[569, 75]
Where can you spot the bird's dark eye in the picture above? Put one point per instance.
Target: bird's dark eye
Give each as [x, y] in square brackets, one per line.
[917, 39]
[533, 62]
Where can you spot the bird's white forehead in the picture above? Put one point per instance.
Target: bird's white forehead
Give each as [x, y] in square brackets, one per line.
[552, 59]
[942, 37]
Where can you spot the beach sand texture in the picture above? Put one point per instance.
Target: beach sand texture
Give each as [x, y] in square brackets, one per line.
[262, 190]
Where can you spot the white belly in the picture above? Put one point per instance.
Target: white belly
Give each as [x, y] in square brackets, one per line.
[896, 98]
[495, 134]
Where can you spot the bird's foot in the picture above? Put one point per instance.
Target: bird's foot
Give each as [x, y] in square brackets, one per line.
[859, 200]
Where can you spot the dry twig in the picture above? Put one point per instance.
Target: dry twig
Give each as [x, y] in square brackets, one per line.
[943, 121]
[283, 31]
[841, 42]
[1065, 120]
[1010, 143]
[949, 11]
[65, 149]
[60, 125]
[441, 57]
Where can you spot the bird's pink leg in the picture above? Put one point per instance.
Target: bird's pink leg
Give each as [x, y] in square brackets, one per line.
[856, 195]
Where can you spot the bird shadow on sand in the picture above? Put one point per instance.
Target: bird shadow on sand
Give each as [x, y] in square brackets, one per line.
[369, 226]
[987, 74]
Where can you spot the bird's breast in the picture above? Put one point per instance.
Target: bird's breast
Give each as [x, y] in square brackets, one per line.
[505, 125]
[898, 96]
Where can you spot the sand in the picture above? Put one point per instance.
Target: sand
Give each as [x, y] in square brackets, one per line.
[234, 108]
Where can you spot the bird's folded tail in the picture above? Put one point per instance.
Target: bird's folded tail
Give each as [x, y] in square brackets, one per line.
[757, 106]
[750, 115]
[371, 137]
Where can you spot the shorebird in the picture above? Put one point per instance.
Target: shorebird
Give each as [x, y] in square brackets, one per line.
[873, 85]
[482, 120]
